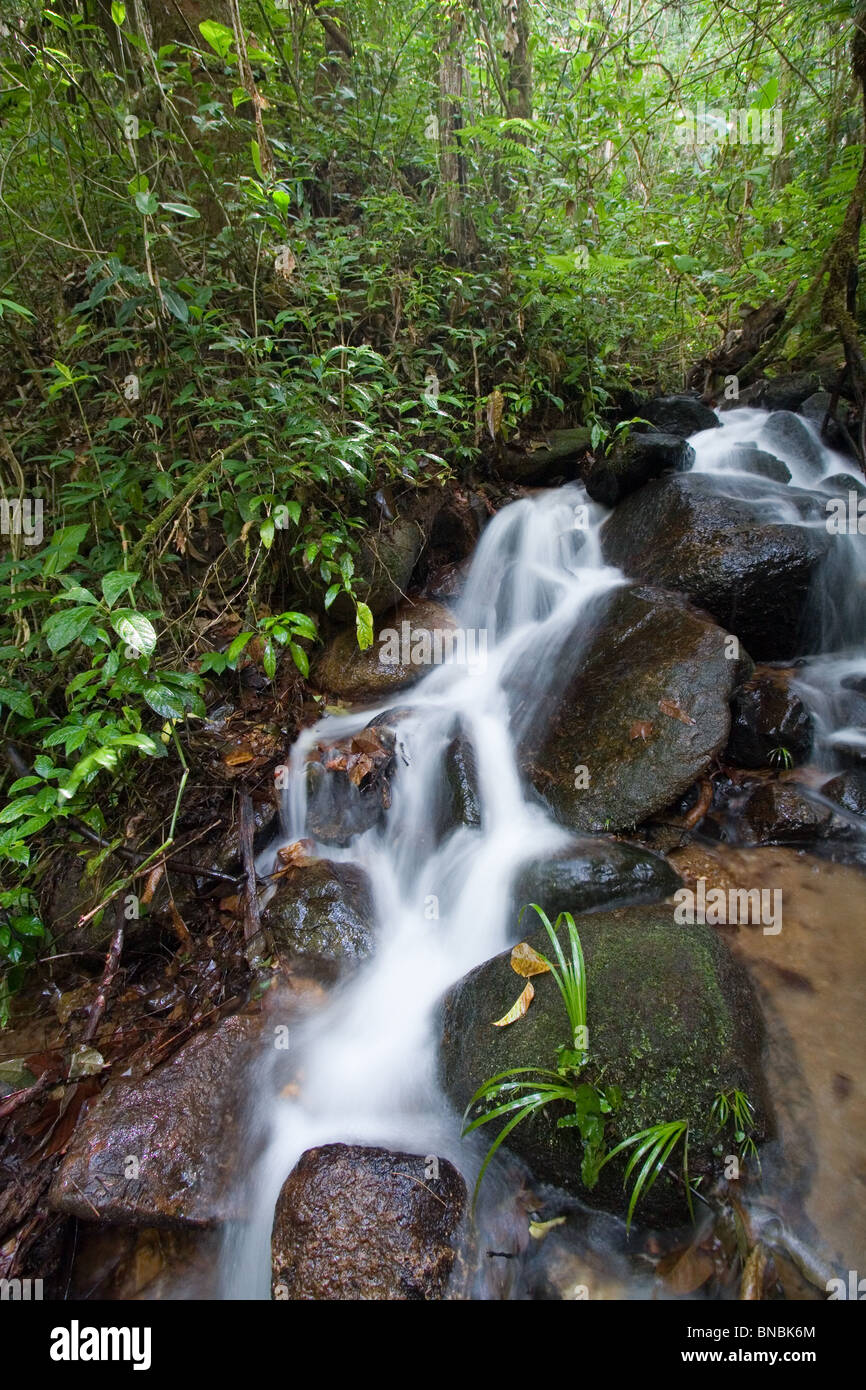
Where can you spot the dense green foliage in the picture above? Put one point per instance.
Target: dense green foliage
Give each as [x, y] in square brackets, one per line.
[240, 297]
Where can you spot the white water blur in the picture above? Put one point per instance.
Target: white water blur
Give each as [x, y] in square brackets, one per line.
[368, 1058]
[825, 681]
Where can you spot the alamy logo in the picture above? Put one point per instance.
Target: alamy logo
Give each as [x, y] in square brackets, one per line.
[846, 518]
[737, 906]
[19, 518]
[20, 1290]
[855, 1289]
[76, 1343]
[464, 646]
[743, 126]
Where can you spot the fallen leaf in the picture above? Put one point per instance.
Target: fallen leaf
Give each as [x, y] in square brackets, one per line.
[517, 1010]
[686, 1272]
[641, 728]
[238, 755]
[495, 410]
[152, 883]
[539, 1229]
[358, 766]
[526, 962]
[675, 711]
[86, 1061]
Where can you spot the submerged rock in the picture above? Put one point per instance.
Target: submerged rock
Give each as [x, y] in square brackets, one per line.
[406, 644]
[672, 1021]
[322, 908]
[366, 1224]
[633, 462]
[753, 575]
[767, 720]
[682, 415]
[641, 718]
[592, 873]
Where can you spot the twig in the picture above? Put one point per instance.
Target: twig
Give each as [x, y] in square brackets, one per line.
[112, 964]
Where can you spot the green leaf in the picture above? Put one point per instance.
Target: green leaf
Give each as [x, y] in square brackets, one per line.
[364, 626]
[62, 629]
[269, 660]
[175, 303]
[62, 549]
[17, 700]
[217, 35]
[237, 646]
[115, 583]
[266, 531]
[147, 203]
[182, 209]
[164, 702]
[118, 12]
[134, 629]
[257, 158]
[300, 658]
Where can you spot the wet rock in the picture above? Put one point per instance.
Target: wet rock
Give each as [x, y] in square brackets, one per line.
[766, 718]
[672, 1020]
[837, 436]
[781, 813]
[753, 575]
[682, 415]
[592, 873]
[642, 716]
[840, 484]
[786, 392]
[164, 1149]
[751, 459]
[405, 646]
[633, 461]
[463, 794]
[785, 433]
[366, 1224]
[349, 781]
[322, 908]
[557, 457]
[387, 558]
[848, 790]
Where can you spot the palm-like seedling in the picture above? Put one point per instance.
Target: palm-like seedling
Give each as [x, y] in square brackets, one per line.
[652, 1149]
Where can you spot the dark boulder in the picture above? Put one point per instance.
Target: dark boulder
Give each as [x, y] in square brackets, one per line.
[786, 434]
[354, 1223]
[779, 813]
[753, 575]
[767, 717]
[555, 457]
[682, 415]
[786, 392]
[591, 873]
[672, 1020]
[322, 908]
[642, 716]
[633, 461]
[750, 459]
[848, 790]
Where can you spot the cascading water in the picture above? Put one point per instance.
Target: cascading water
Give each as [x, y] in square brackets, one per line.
[367, 1058]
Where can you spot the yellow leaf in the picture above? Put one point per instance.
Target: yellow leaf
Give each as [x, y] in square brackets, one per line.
[526, 962]
[518, 1010]
[495, 409]
[539, 1229]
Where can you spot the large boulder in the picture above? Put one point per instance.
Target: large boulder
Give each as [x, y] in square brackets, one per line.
[643, 715]
[322, 908]
[682, 415]
[752, 574]
[592, 873]
[787, 392]
[349, 781]
[671, 1019]
[784, 433]
[165, 1149]
[557, 456]
[407, 642]
[848, 790]
[365, 1223]
[767, 717]
[633, 461]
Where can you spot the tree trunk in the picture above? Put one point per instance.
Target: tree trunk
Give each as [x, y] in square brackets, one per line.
[452, 171]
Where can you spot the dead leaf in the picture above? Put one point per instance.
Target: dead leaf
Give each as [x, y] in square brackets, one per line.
[641, 728]
[179, 924]
[495, 410]
[526, 962]
[297, 853]
[675, 711]
[236, 756]
[152, 883]
[539, 1229]
[517, 1010]
[358, 766]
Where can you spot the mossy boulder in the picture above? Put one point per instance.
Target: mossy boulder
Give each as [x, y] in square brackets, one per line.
[322, 908]
[672, 1020]
[406, 644]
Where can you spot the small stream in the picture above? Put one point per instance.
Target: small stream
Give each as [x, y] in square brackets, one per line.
[366, 1061]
